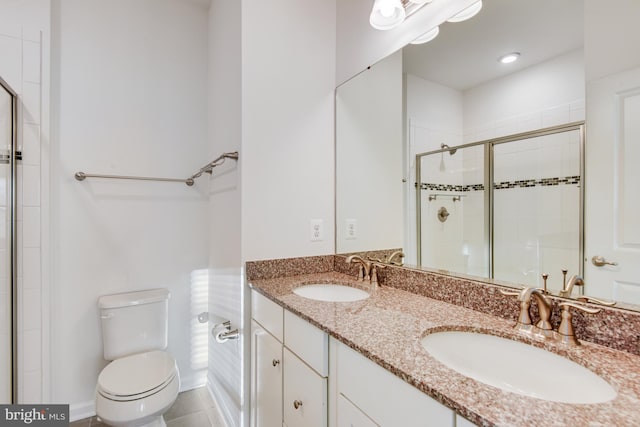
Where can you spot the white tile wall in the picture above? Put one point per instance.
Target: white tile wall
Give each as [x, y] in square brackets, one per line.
[21, 67]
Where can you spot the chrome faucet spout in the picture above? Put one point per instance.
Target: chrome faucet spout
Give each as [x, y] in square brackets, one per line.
[397, 254]
[544, 309]
[574, 280]
[365, 272]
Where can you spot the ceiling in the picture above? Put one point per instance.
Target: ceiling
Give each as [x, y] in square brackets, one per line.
[466, 54]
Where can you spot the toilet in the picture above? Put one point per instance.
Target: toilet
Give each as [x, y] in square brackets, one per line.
[142, 380]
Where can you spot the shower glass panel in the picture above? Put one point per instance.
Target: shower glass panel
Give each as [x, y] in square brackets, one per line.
[509, 208]
[7, 295]
[536, 202]
[452, 214]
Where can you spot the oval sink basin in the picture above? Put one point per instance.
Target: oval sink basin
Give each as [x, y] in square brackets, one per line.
[517, 367]
[331, 293]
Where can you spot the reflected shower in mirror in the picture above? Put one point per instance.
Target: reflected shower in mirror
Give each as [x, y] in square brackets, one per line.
[514, 207]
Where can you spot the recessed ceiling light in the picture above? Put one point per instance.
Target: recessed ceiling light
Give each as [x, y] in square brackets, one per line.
[509, 57]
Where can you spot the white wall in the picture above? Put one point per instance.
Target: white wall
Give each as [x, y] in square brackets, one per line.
[24, 64]
[610, 28]
[287, 175]
[546, 94]
[131, 100]
[369, 158]
[225, 372]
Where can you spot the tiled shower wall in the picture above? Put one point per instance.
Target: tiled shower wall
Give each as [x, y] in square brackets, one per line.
[438, 115]
[21, 54]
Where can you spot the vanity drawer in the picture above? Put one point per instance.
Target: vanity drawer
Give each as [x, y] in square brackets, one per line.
[307, 342]
[305, 394]
[383, 397]
[268, 314]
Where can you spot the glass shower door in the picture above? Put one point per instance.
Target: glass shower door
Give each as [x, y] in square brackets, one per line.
[537, 214]
[7, 294]
[451, 210]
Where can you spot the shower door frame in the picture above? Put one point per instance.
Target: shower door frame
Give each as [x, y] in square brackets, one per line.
[13, 251]
[489, 144]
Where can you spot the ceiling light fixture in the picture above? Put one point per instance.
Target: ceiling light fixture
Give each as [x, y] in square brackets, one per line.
[509, 57]
[467, 13]
[427, 37]
[387, 14]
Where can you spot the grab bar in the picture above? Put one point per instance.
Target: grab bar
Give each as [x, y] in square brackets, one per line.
[81, 176]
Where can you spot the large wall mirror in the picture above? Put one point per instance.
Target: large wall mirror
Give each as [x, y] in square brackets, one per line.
[493, 170]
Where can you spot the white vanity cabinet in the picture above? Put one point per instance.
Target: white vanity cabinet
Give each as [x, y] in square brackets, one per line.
[289, 368]
[373, 396]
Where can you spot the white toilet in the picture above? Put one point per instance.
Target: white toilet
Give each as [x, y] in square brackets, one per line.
[142, 381]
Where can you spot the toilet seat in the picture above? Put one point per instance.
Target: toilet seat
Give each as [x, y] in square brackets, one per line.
[137, 376]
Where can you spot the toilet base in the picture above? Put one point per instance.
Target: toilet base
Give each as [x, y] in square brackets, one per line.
[158, 422]
[155, 422]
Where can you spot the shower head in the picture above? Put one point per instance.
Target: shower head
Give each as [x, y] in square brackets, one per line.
[452, 151]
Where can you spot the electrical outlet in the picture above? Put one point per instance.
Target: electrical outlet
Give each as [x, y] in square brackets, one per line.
[351, 232]
[317, 230]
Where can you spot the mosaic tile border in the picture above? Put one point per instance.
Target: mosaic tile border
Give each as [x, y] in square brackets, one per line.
[525, 183]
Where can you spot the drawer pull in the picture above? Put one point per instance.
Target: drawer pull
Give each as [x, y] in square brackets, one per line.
[297, 404]
[275, 362]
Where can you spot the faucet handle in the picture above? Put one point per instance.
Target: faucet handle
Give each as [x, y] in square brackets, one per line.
[565, 330]
[374, 272]
[584, 298]
[545, 276]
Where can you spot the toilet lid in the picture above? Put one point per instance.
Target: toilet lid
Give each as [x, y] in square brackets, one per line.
[136, 374]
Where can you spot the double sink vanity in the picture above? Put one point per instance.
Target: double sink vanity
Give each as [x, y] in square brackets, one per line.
[423, 348]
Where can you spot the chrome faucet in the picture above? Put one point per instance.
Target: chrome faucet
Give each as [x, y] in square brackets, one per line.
[394, 255]
[574, 280]
[543, 329]
[364, 272]
[544, 309]
[368, 270]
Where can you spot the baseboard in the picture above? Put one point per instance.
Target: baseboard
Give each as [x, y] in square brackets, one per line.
[79, 411]
[215, 394]
[199, 379]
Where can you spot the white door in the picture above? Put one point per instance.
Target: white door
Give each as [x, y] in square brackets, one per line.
[612, 199]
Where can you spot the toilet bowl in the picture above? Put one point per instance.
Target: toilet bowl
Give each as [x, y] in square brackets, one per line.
[142, 381]
[136, 390]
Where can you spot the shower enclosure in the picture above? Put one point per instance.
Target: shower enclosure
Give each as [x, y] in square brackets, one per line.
[509, 208]
[8, 292]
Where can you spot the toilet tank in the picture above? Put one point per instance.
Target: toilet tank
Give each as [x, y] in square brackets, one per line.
[134, 322]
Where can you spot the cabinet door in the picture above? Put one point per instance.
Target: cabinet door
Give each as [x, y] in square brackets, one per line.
[350, 416]
[305, 394]
[266, 378]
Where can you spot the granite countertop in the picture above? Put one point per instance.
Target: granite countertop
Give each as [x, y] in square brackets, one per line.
[388, 326]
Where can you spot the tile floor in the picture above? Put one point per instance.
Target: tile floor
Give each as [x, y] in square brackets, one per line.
[193, 408]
